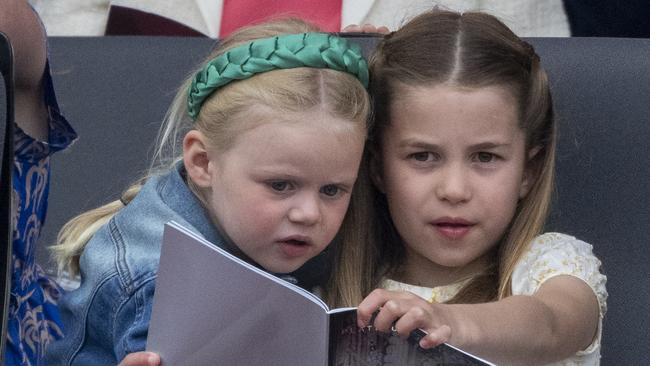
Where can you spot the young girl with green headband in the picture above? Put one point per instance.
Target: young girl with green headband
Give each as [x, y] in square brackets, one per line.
[271, 128]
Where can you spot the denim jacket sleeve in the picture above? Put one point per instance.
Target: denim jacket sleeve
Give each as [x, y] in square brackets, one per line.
[107, 317]
[131, 322]
[115, 324]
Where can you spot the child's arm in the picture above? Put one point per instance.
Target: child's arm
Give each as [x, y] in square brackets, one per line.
[19, 22]
[560, 319]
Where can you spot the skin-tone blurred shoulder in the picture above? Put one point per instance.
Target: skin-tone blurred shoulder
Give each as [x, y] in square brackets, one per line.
[20, 23]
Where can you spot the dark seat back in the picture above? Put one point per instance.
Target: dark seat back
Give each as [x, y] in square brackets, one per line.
[115, 91]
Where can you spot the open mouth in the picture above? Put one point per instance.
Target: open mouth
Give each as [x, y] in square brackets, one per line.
[295, 247]
[296, 242]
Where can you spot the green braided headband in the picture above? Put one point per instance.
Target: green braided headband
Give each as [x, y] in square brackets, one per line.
[318, 50]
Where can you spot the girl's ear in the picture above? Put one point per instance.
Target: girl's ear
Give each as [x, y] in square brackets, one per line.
[531, 172]
[376, 171]
[196, 158]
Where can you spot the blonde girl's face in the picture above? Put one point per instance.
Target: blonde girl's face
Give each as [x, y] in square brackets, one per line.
[280, 192]
[452, 168]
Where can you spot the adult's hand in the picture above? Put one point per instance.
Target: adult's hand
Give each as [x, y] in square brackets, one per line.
[366, 28]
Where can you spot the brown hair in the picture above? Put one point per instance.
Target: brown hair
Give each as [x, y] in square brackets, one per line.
[469, 50]
[285, 90]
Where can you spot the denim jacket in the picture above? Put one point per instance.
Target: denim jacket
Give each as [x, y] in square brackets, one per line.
[107, 317]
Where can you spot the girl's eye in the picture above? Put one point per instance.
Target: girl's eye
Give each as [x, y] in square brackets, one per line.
[422, 156]
[330, 190]
[485, 157]
[279, 186]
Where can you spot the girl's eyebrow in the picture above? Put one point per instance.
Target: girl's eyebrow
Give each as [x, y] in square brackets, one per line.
[490, 145]
[345, 182]
[411, 142]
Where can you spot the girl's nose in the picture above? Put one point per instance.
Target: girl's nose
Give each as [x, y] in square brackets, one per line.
[453, 185]
[305, 211]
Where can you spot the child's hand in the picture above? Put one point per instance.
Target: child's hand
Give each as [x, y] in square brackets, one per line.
[141, 359]
[366, 28]
[402, 312]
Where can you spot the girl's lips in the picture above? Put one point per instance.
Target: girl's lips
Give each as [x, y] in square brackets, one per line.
[451, 221]
[295, 246]
[452, 228]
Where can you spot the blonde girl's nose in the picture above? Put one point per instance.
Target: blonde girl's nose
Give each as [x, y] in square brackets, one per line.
[453, 185]
[305, 210]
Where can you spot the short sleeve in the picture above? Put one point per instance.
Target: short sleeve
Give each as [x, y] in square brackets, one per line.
[554, 254]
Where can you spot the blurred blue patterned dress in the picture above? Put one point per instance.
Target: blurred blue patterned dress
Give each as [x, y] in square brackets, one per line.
[34, 320]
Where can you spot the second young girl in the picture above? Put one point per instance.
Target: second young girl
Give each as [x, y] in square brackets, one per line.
[274, 125]
[463, 164]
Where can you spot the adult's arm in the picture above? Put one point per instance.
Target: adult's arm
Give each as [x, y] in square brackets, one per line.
[21, 24]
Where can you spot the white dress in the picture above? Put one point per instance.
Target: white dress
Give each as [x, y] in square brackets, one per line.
[550, 255]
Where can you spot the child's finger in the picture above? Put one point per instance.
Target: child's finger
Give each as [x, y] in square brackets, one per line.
[393, 304]
[141, 359]
[389, 314]
[416, 317]
[436, 337]
[370, 305]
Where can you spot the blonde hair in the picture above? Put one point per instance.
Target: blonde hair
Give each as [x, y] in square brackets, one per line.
[282, 91]
[468, 50]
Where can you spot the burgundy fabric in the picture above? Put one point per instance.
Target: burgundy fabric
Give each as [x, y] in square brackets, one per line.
[238, 13]
[126, 21]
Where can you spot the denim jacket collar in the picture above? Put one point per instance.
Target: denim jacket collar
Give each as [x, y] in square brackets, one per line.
[175, 193]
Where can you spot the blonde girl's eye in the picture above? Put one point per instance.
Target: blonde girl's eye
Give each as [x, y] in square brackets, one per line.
[485, 157]
[279, 185]
[330, 190]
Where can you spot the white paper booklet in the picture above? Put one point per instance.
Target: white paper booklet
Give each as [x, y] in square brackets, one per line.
[211, 308]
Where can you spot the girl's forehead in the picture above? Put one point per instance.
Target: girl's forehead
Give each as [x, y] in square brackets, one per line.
[414, 94]
[318, 117]
[446, 111]
[452, 101]
[295, 149]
